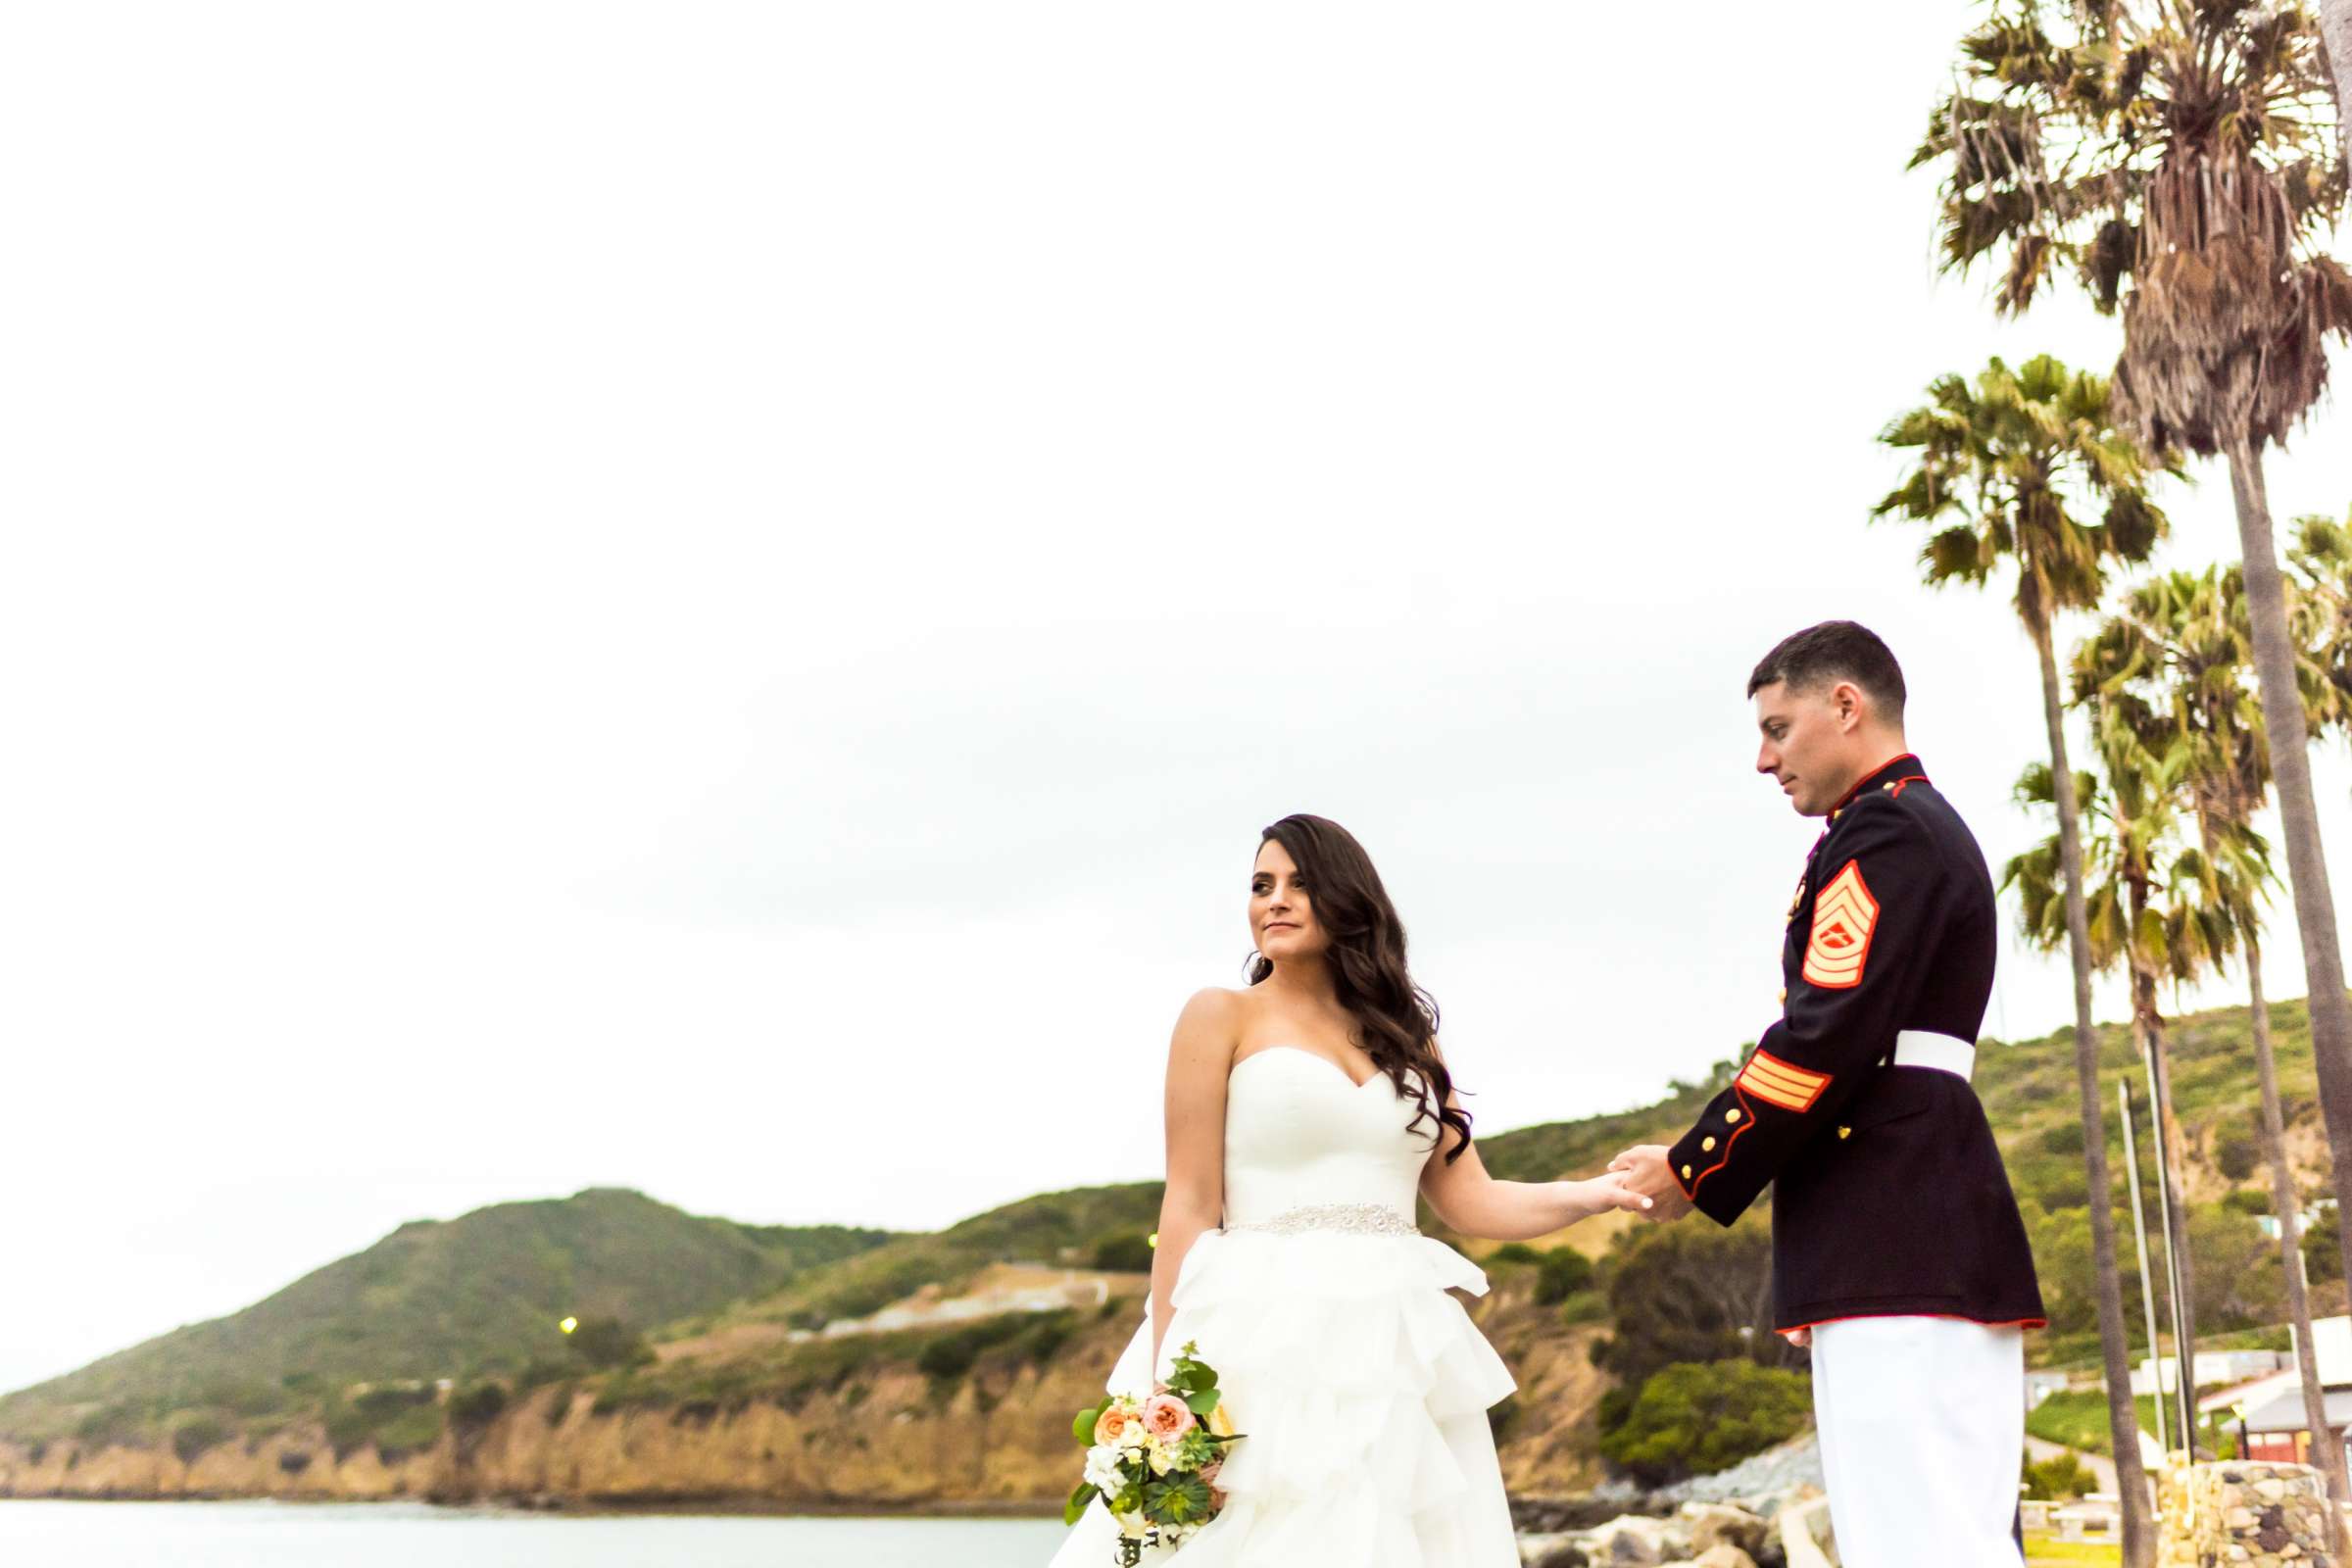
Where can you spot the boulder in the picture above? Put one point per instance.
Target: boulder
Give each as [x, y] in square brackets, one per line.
[1634, 1541]
[1717, 1524]
[1557, 1552]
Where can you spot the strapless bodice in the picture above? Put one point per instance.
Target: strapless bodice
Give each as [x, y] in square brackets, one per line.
[1304, 1145]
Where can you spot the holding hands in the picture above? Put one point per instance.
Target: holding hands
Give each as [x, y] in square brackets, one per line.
[1644, 1168]
[1604, 1193]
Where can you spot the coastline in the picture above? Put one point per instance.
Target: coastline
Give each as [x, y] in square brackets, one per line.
[725, 1506]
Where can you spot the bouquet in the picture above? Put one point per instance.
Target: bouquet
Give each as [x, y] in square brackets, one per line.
[1153, 1460]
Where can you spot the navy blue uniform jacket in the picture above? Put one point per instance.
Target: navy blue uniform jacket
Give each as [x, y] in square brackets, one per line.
[1888, 1194]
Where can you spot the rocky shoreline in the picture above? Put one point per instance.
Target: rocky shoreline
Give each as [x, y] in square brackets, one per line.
[1734, 1519]
[554, 1453]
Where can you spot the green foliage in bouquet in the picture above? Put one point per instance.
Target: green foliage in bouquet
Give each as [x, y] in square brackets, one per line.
[1181, 1496]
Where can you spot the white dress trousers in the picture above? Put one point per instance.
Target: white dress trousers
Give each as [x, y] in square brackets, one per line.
[1923, 1433]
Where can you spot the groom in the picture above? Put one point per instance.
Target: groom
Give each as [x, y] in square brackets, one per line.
[1896, 1248]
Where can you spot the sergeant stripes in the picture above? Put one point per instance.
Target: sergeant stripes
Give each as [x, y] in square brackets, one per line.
[1843, 917]
[1781, 1082]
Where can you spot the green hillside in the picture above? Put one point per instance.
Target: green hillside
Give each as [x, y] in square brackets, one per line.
[477, 1297]
[455, 1298]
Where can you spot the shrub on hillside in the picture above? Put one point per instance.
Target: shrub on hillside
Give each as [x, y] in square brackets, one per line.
[2240, 1283]
[1563, 1272]
[395, 1417]
[1584, 1307]
[2235, 1152]
[476, 1406]
[195, 1435]
[1127, 1253]
[538, 1374]
[2322, 1248]
[1695, 1418]
[109, 1423]
[603, 1342]
[2059, 1478]
[417, 1427]
[2056, 1183]
[2064, 1139]
[1514, 1253]
[952, 1354]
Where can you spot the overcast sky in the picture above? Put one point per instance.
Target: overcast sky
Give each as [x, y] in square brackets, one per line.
[714, 598]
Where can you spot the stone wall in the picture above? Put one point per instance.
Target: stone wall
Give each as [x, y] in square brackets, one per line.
[2258, 1514]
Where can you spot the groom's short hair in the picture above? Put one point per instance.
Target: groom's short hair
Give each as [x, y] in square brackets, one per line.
[1835, 651]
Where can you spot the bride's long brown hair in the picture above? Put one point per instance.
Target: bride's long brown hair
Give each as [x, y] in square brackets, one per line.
[1396, 1020]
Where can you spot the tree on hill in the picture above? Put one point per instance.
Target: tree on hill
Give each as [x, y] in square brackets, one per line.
[2028, 468]
[1698, 1418]
[1682, 1294]
[2179, 163]
[2183, 648]
[2150, 913]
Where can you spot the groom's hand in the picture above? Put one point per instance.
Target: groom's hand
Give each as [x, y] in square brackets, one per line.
[1646, 1170]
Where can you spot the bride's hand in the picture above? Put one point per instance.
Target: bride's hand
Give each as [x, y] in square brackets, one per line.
[1613, 1189]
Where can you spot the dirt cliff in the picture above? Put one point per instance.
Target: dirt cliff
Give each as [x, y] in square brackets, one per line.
[891, 1437]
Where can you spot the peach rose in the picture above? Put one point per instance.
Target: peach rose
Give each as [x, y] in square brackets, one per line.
[1167, 1416]
[1110, 1424]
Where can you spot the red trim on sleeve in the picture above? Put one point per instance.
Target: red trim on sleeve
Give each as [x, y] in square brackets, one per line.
[1748, 1119]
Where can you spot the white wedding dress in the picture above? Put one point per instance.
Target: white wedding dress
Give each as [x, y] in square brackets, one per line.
[1361, 1385]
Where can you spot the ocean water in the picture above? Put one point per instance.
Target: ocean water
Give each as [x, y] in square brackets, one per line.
[397, 1534]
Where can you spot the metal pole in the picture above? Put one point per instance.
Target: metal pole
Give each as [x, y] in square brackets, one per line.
[2183, 1353]
[2147, 1291]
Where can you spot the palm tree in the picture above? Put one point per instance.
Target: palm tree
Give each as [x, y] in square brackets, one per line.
[2004, 462]
[2321, 611]
[2181, 161]
[2142, 891]
[2179, 650]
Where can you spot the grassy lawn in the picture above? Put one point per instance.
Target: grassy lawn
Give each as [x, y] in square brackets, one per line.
[2078, 1418]
[2041, 1548]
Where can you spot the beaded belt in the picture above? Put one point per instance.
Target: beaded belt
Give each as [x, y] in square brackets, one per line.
[1362, 1219]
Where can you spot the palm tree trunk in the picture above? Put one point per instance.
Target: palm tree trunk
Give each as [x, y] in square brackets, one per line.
[2123, 1419]
[2298, 817]
[2182, 1272]
[2325, 1451]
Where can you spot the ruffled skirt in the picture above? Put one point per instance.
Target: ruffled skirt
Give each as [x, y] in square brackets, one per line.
[1362, 1390]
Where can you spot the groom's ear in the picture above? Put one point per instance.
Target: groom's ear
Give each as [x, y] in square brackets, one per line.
[1849, 705]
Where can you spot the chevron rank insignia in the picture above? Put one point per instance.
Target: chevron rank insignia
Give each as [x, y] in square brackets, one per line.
[1843, 917]
[1783, 1084]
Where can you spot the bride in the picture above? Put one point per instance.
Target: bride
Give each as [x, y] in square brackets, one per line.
[1303, 1114]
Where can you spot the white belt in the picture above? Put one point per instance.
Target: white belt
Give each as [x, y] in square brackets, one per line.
[1917, 1048]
